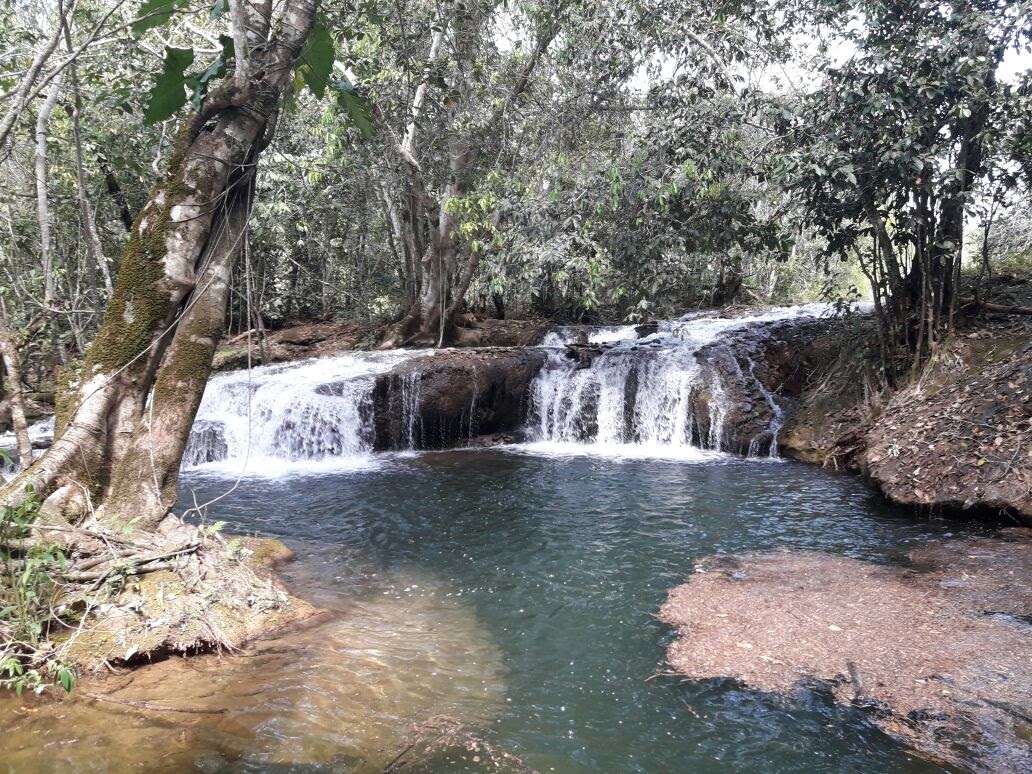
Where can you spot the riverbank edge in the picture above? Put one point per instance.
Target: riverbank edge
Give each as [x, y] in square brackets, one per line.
[952, 442]
[231, 595]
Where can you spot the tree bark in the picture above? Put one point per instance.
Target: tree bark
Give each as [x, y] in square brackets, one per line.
[94, 248]
[173, 277]
[42, 199]
[145, 482]
[16, 396]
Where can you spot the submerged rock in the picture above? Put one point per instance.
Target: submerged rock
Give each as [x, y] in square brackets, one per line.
[936, 651]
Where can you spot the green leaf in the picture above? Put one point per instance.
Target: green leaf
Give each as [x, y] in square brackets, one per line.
[154, 13]
[67, 680]
[356, 107]
[169, 92]
[317, 58]
[198, 83]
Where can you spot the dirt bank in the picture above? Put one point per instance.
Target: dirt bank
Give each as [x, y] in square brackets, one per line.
[958, 439]
[936, 651]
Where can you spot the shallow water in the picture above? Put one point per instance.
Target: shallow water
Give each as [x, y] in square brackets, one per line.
[512, 590]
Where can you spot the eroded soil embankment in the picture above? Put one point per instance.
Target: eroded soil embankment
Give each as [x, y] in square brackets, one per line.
[190, 591]
[937, 651]
[959, 438]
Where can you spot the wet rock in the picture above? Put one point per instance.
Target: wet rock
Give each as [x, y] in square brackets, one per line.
[583, 354]
[500, 333]
[762, 370]
[646, 329]
[453, 396]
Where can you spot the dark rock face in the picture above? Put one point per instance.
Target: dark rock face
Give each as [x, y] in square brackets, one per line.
[763, 370]
[453, 397]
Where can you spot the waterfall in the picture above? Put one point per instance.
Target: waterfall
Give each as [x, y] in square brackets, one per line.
[646, 395]
[777, 415]
[41, 433]
[308, 412]
[683, 388]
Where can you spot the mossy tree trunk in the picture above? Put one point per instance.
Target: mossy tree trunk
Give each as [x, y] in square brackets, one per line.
[126, 424]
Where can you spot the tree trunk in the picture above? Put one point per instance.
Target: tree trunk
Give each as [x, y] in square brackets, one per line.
[116, 192]
[430, 318]
[145, 482]
[12, 365]
[42, 199]
[171, 286]
[94, 249]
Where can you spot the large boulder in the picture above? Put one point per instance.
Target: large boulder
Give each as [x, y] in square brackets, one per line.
[762, 371]
[453, 396]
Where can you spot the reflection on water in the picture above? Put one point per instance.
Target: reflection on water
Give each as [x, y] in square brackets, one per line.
[512, 591]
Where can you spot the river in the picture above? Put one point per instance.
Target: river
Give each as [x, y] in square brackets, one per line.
[509, 590]
[513, 591]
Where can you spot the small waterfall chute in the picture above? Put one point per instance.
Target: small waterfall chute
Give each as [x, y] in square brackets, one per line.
[652, 395]
[294, 415]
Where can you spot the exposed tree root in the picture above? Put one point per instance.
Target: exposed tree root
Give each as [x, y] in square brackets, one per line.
[121, 599]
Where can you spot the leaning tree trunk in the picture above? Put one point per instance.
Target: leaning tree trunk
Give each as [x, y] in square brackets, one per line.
[126, 428]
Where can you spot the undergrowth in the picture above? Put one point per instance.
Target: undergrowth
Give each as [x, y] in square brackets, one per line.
[30, 603]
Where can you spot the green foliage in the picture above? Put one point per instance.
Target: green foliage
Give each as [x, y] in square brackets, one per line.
[169, 91]
[891, 153]
[29, 594]
[355, 107]
[317, 58]
[156, 13]
[172, 84]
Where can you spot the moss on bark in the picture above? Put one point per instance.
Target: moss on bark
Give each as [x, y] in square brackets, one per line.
[139, 303]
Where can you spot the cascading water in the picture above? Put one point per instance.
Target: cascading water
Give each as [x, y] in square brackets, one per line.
[318, 410]
[600, 334]
[40, 435]
[639, 395]
[652, 395]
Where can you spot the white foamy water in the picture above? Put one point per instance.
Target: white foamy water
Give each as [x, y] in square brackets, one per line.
[41, 433]
[638, 396]
[312, 416]
[598, 334]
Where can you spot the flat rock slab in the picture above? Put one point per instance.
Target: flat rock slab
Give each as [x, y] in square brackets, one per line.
[940, 651]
